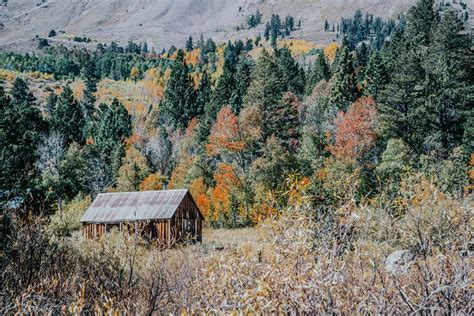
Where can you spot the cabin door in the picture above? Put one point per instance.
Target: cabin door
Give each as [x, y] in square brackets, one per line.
[189, 228]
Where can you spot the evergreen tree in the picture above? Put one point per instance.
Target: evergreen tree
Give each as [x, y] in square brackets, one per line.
[420, 20]
[111, 125]
[399, 101]
[51, 103]
[449, 82]
[189, 44]
[266, 90]
[88, 97]
[292, 75]
[20, 128]
[225, 85]
[203, 94]
[344, 89]
[319, 71]
[266, 34]
[242, 81]
[180, 98]
[289, 23]
[210, 45]
[67, 117]
[362, 55]
[376, 77]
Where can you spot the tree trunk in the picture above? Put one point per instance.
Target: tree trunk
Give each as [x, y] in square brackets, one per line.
[60, 207]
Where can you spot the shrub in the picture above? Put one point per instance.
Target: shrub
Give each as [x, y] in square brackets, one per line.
[68, 222]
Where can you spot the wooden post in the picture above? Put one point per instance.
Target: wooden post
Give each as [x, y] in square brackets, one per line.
[169, 232]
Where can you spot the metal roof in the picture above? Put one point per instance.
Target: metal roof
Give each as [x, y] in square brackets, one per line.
[133, 206]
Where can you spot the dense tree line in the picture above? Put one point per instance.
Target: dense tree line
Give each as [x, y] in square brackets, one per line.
[354, 125]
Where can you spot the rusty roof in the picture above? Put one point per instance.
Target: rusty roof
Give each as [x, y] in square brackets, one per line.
[133, 206]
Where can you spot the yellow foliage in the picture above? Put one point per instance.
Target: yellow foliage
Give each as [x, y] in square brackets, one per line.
[297, 47]
[77, 88]
[192, 57]
[153, 182]
[330, 52]
[134, 73]
[7, 75]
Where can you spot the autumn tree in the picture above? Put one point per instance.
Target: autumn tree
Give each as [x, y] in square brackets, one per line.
[133, 171]
[355, 130]
[223, 196]
[226, 139]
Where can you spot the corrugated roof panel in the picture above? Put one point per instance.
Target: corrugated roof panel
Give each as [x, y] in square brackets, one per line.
[132, 206]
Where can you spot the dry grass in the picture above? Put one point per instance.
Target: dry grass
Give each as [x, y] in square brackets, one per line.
[301, 262]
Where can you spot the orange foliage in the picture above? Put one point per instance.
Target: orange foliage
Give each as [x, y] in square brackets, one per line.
[192, 57]
[225, 134]
[153, 182]
[355, 130]
[199, 193]
[226, 183]
[192, 126]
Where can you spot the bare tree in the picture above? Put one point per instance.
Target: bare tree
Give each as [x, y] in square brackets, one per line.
[98, 176]
[158, 152]
[51, 152]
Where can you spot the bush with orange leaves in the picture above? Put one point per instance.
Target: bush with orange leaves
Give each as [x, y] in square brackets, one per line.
[201, 197]
[227, 183]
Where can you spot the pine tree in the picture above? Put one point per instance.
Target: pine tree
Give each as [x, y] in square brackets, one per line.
[225, 85]
[266, 90]
[420, 20]
[344, 89]
[362, 55]
[319, 71]
[145, 48]
[189, 44]
[67, 117]
[266, 34]
[20, 128]
[242, 81]
[203, 94]
[292, 76]
[376, 77]
[210, 45]
[88, 97]
[449, 82]
[180, 98]
[399, 105]
[51, 103]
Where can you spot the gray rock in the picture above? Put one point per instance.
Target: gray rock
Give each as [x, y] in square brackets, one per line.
[399, 261]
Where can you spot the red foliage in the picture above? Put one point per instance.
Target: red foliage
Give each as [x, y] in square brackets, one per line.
[355, 130]
[225, 134]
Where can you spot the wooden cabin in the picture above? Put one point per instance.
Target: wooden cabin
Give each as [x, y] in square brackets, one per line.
[168, 216]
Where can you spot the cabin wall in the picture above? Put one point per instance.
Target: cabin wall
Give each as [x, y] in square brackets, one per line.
[166, 232]
[185, 225]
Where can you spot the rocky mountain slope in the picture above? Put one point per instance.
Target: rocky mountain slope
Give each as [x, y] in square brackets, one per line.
[162, 23]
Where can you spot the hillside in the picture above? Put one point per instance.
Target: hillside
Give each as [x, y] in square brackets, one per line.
[169, 22]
